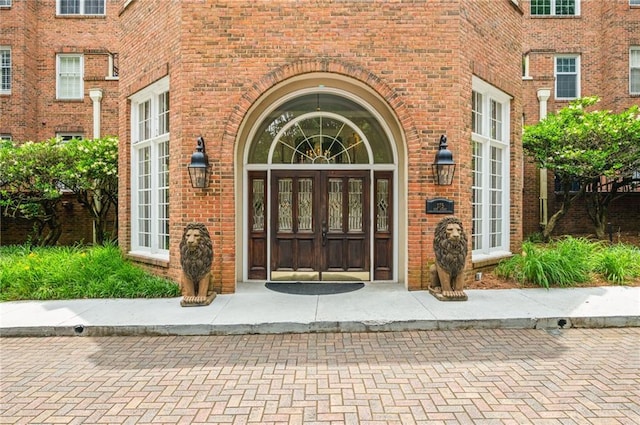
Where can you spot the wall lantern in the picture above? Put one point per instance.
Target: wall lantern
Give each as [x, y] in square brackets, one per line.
[199, 166]
[443, 167]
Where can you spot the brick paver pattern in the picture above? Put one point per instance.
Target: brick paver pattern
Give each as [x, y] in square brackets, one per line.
[572, 376]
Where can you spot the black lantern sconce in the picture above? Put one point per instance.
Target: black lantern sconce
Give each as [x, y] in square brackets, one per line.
[199, 166]
[443, 168]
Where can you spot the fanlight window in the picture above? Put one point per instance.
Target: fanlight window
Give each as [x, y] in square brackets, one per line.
[320, 129]
[317, 138]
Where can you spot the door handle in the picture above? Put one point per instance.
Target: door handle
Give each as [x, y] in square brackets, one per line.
[324, 233]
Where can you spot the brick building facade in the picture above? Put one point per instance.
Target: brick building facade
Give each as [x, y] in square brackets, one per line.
[253, 79]
[602, 38]
[42, 44]
[320, 120]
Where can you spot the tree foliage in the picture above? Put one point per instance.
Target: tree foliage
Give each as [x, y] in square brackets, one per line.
[33, 177]
[29, 174]
[93, 178]
[583, 145]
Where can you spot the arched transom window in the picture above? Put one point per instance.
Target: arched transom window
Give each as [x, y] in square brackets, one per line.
[320, 129]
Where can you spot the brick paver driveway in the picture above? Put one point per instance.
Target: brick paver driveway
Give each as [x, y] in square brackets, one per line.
[469, 376]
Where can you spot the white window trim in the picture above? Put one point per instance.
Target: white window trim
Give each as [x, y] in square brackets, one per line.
[631, 67]
[634, 2]
[149, 93]
[82, 7]
[555, 75]
[5, 3]
[58, 57]
[553, 10]
[8, 49]
[489, 93]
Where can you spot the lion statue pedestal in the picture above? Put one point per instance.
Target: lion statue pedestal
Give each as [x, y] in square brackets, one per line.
[196, 256]
[447, 274]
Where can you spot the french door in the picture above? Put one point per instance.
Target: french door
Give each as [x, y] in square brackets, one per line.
[320, 226]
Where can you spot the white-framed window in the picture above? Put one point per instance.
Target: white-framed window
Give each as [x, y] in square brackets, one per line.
[80, 7]
[634, 2]
[555, 7]
[150, 171]
[69, 76]
[5, 136]
[5, 70]
[66, 136]
[634, 70]
[567, 74]
[491, 111]
[5, 3]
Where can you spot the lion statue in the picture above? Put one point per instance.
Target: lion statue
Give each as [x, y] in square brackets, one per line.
[196, 255]
[450, 247]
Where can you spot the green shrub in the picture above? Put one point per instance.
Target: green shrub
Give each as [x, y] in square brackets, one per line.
[75, 272]
[566, 262]
[618, 263]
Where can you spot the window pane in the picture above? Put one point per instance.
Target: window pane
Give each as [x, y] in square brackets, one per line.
[496, 197]
[496, 120]
[163, 113]
[565, 65]
[540, 7]
[144, 197]
[144, 120]
[69, 7]
[5, 70]
[69, 77]
[566, 78]
[94, 7]
[635, 81]
[565, 7]
[634, 70]
[163, 195]
[477, 196]
[476, 112]
[566, 86]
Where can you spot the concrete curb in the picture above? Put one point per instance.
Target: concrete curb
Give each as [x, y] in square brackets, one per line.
[320, 327]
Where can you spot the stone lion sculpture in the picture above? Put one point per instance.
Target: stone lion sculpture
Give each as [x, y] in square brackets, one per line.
[196, 256]
[450, 247]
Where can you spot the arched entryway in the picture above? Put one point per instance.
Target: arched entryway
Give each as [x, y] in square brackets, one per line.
[320, 186]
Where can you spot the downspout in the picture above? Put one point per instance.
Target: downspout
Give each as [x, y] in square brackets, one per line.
[543, 97]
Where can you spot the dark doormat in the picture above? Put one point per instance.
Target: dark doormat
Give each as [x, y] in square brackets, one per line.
[314, 288]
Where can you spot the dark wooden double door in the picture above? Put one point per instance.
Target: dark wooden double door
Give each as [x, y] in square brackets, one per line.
[320, 227]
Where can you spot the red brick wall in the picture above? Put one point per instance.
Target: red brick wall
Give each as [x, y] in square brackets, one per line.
[419, 57]
[75, 221]
[36, 35]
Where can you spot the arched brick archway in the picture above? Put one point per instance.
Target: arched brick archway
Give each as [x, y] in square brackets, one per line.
[340, 79]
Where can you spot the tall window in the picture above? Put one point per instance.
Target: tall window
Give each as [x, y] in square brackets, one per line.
[634, 70]
[69, 76]
[555, 7]
[150, 171]
[5, 3]
[5, 70]
[80, 7]
[567, 73]
[490, 171]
